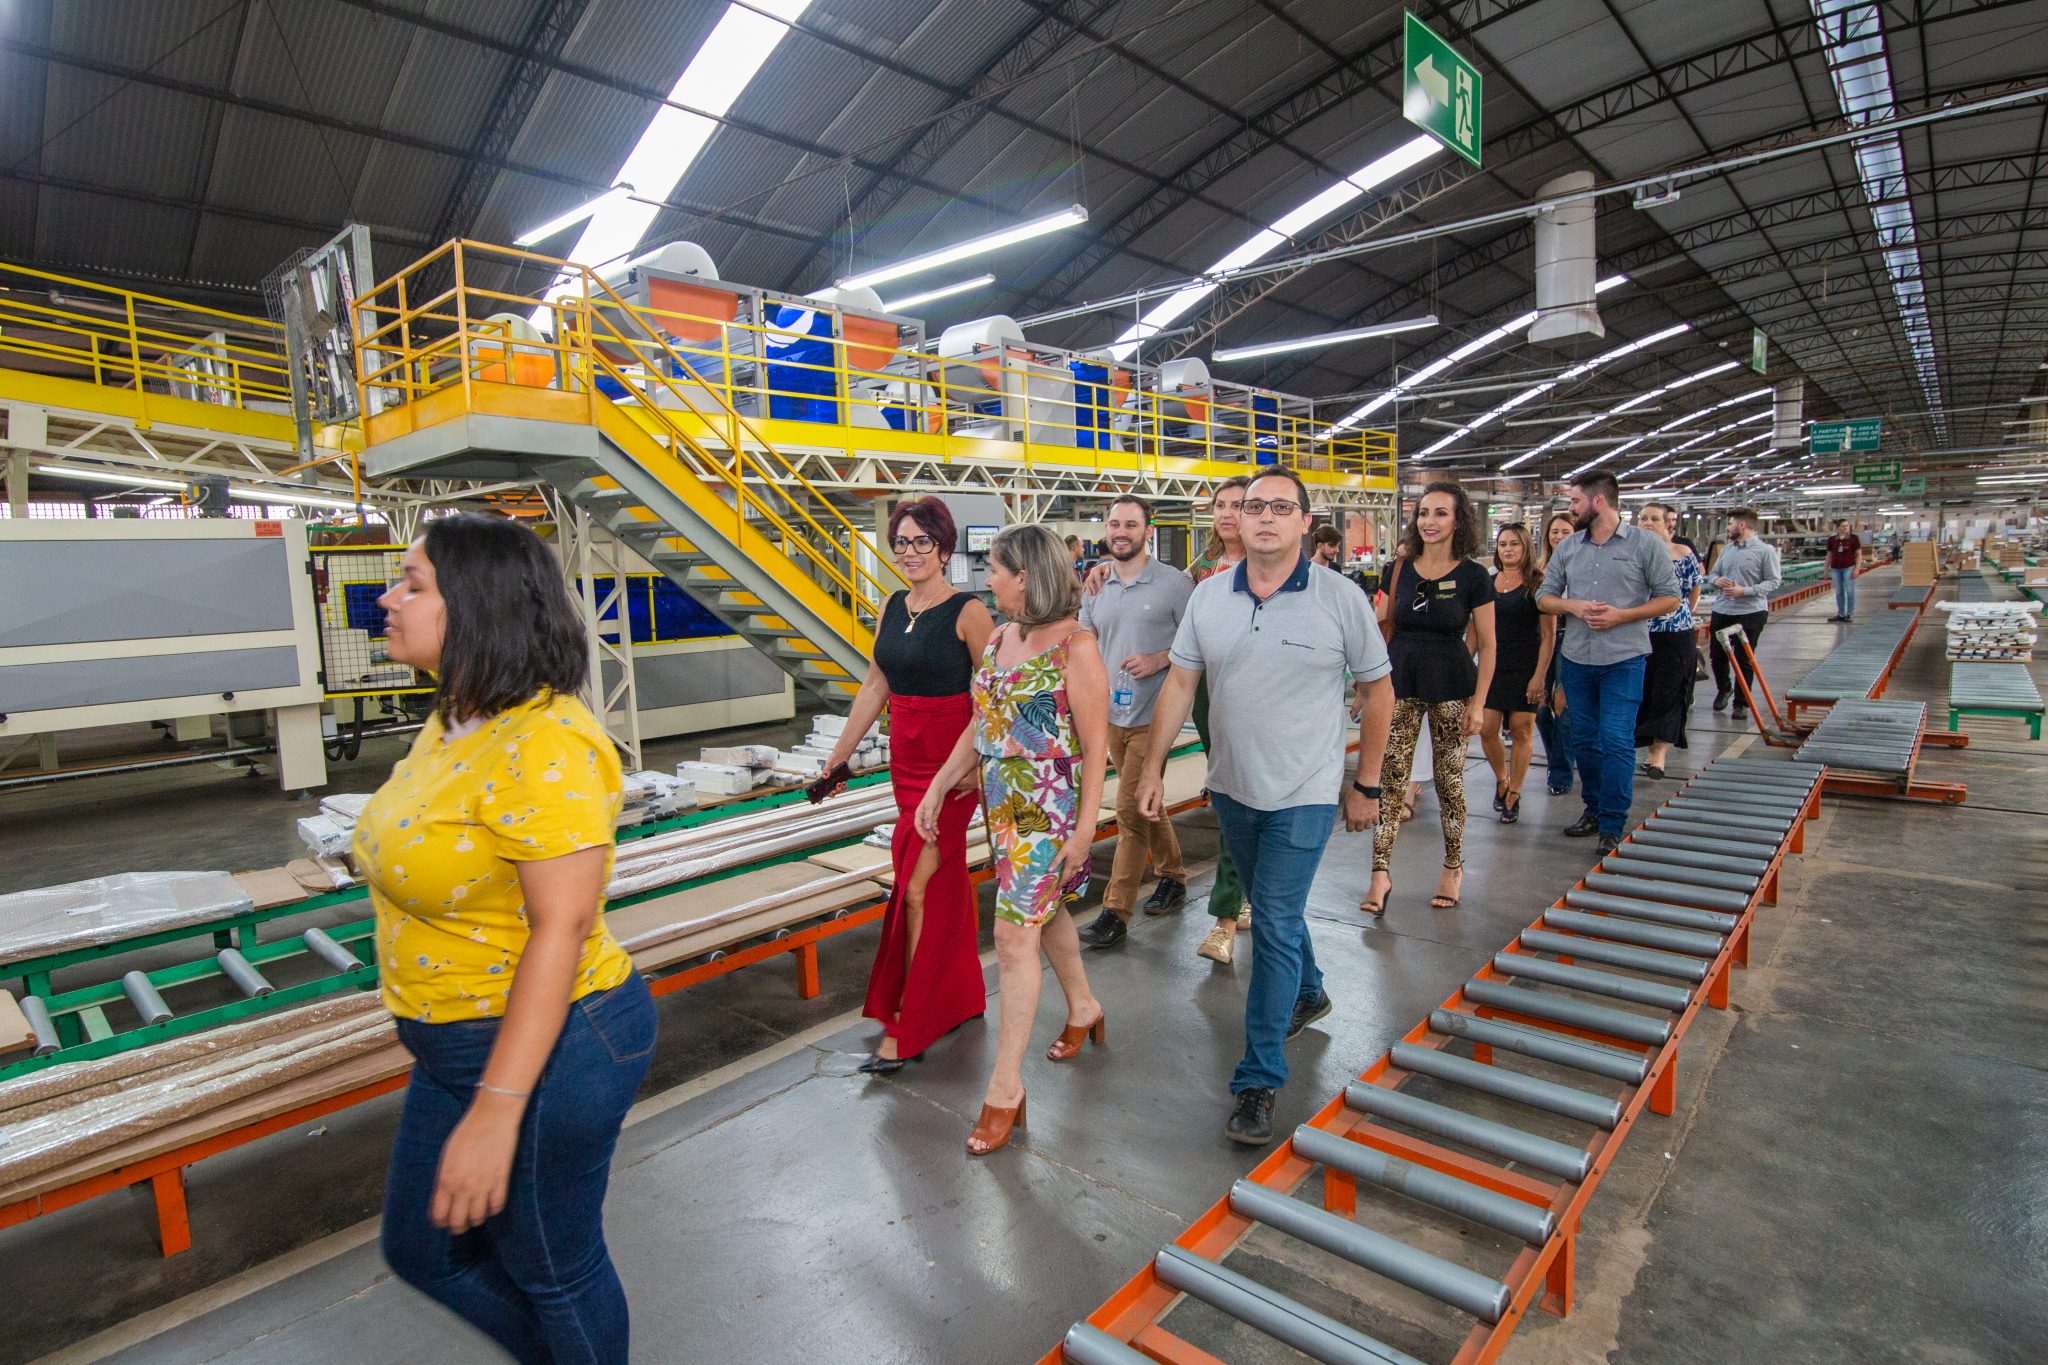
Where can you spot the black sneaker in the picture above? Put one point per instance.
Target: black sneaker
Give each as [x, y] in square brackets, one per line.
[1104, 931]
[1306, 1012]
[1167, 897]
[1720, 701]
[1251, 1122]
[1585, 827]
[1609, 843]
[1738, 711]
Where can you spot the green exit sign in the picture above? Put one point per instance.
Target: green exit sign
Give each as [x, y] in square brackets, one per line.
[1843, 438]
[1876, 471]
[1440, 91]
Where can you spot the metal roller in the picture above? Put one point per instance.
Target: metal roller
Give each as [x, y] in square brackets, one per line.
[1678, 855]
[1558, 1009]
[1543, 1045]
[1484, 1135]
[1085, 1345]
[1655, 994]
[1623, 865]
[1530, 1222]
[1705, 897]
[1615, 954]
[1782, 775]
[247, 979]
[1314, 1334]
[1760, 854]
[1763, 807]
[1484, 1298]
[327, 950]
[1712, 921]
[1735, 813]
[1762, 844]
[143, 995]
[1569, 1101]
[41, 1024]
[1691, 942]
[1745, 796]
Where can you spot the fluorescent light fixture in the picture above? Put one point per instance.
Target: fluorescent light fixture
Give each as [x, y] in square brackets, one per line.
[1378, 329]
[1265, 241]
[262, 495]
[1537, 390]
[1071, 216]
[1611, 282]
[573, 216]
[737, 48]
[110, 476]
[2014, 478]
[944, 291]
[1830, 489]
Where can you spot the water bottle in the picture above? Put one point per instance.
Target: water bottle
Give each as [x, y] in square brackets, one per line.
[1126, 690]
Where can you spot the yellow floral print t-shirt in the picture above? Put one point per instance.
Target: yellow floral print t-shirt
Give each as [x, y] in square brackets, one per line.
[440, 844]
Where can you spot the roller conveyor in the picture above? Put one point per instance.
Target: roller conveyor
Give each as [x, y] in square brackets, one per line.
[1872, 736]
[2003, 688]
[1604, 984]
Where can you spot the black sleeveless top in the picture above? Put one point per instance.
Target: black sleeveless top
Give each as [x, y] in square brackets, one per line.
[924, 657]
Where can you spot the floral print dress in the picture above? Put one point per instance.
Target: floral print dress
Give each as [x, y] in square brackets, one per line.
[1031, 777]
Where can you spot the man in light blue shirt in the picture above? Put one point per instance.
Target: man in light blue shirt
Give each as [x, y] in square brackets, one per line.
[1745, 576]
[1609, 580]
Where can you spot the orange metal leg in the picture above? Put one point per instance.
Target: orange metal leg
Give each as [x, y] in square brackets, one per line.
[1770, 897]
[1557, 1285]
[1741, 954]
[1664, 1094]
[173, 1226]
[807, 972]
[1340, 1192]
[1799, 837]
[1717, 990]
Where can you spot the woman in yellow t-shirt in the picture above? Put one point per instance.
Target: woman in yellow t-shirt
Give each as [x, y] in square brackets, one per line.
[487, 855]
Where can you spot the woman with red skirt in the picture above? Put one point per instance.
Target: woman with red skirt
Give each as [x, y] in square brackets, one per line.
[927, 975]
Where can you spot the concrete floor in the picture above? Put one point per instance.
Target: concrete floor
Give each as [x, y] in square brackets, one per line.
[1855, 1172]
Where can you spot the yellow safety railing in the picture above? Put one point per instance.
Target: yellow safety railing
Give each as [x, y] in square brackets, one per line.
[457, 337]
[118, 338]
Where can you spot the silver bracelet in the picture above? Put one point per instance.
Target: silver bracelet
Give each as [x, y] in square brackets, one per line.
[501, 1090]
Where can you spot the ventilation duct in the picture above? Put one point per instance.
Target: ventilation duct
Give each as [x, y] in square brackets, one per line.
[1565, 266]
[1788, 430]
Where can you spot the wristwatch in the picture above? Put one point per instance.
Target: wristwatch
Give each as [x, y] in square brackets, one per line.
[1369, 793]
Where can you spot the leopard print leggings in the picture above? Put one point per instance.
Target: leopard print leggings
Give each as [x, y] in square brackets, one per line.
[1447, 745]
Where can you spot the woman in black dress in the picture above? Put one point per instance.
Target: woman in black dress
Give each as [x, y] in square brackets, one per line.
[1523, 639]
[1437, 594]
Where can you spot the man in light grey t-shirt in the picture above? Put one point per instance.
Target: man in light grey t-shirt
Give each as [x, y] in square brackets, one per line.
[1134, 618]
[1277, 637]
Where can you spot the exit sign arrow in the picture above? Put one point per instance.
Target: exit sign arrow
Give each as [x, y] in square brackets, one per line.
[1435, 84]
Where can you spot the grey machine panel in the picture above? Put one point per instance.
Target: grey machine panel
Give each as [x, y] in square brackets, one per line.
[709, 675]
[87, 591]
[102, 682]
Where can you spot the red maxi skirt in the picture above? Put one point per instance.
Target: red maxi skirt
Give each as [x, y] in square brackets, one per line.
[941, 987]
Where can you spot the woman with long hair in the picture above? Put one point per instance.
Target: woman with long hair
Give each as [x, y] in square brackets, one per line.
[926, 980]
[1229, 908]
[1437, 595]
[1041, 738]
[486, 855]
[1674, 649]
[1524, 638]
[1552, 723]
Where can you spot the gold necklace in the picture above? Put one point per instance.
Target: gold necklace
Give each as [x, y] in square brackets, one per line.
[914, 614]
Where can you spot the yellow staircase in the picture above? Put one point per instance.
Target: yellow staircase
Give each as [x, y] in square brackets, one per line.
[455, 392]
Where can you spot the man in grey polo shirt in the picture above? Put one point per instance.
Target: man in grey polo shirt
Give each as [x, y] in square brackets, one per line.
[1745, 576]
[1609, 580]
[1277, 637]
[1134, 618]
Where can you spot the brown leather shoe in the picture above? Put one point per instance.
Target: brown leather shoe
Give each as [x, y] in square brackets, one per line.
[994, 1127]
[1067, 1046]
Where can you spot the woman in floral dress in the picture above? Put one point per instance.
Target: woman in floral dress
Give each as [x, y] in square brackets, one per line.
[1041, 735]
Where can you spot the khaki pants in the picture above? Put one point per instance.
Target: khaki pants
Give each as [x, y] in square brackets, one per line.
[1137, 838]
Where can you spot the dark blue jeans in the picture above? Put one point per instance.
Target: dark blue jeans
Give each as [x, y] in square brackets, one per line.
[1276, 852]
[1556, 729]
[1602, 700]
[536, 1278]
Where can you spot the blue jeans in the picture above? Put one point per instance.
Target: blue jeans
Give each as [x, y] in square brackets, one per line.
[1276, 853]
[1602, 700]
[536, 1278]
[1556, 729]
[1845, 591]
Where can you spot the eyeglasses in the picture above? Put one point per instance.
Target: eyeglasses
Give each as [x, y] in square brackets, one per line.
[903, 545]
[1279, 507]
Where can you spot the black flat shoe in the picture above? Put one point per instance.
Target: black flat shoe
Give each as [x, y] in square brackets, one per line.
[878, 1065]
[1585, 827]
[1652, 770]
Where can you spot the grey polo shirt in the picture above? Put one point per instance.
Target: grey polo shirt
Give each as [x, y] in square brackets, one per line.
[1629, 569]
[1755, 565]
[1138, 617]
[1278, 671]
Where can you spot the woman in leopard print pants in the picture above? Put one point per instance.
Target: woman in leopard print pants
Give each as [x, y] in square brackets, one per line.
[1439, 613]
